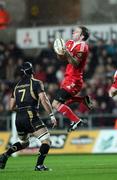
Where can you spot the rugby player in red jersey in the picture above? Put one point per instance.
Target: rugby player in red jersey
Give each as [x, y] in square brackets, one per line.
[113, 88]
[76, 53]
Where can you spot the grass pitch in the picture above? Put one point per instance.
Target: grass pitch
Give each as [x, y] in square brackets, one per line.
[65, 167]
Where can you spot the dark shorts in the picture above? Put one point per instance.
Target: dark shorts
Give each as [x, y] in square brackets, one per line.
[28, 122]
[62, 96]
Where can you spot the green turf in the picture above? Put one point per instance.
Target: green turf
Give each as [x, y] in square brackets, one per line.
[65, 167]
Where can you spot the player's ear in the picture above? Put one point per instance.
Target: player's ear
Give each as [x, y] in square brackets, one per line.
[82, 36]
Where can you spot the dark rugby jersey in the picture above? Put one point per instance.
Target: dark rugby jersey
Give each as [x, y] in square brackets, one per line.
[26, 92]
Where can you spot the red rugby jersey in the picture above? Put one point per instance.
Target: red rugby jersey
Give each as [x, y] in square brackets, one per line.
[78, 50]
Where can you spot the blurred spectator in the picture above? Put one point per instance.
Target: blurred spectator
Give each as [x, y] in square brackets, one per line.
[48, 52]
[60, 73]
[39, 73]
[51, 77]
[10, 69]
[5, 94]
[15, 51]
[4, 17]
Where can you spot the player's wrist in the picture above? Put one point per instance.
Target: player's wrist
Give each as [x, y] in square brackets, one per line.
[66, 52]
[52, 116]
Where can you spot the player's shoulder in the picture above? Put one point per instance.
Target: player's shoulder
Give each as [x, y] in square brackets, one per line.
[69, 42]
[82, 46]
[13, 89]
[82, 43]
[16, 84]
[36, 80]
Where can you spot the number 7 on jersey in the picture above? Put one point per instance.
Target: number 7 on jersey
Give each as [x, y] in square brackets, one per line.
[23, 91]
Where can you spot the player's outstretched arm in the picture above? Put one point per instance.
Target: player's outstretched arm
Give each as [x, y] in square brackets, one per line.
[47, 106]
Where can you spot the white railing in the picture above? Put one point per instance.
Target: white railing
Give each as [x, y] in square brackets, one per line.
[94, 121]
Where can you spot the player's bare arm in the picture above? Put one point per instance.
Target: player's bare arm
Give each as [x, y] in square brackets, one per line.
[72, 60]
[45, 102]
[12, 104]
[67, 56]
[47, 106]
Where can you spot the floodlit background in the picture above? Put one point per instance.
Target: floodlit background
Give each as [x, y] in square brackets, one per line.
[27, 31]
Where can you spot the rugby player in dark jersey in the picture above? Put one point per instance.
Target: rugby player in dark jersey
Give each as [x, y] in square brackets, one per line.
[25, 99]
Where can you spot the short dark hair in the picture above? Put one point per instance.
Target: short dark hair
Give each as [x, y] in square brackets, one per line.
[85, 32]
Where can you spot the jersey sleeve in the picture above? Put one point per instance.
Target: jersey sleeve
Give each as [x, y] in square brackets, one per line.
[79, 51]
[81, 47]
[69, 44]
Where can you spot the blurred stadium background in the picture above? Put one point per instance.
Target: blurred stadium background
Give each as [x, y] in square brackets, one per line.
[27, 31]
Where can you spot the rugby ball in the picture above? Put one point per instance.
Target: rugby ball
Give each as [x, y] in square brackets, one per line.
[59, 46]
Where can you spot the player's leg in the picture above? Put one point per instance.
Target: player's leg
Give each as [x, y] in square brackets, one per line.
[86, 100]
[14, 148]
[21, 144]
[74, 87]
[22, 126]
[58, 103]
[22, 122]
[39, 130]
[44, 136]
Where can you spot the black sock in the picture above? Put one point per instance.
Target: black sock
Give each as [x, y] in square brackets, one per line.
[16, 147]
[43, 152]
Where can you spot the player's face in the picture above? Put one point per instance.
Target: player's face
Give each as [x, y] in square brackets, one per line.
[77, 34]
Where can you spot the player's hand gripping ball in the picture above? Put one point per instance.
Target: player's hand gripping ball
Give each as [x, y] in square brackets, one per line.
[59, 46]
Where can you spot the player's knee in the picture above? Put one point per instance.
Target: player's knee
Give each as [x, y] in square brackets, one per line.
[44, 148]
[46, 141]
[24, 144]
[110, 94]
[45, 138]
[24, 141]
[23, 138]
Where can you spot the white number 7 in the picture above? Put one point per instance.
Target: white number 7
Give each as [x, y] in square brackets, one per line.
[23, 91]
